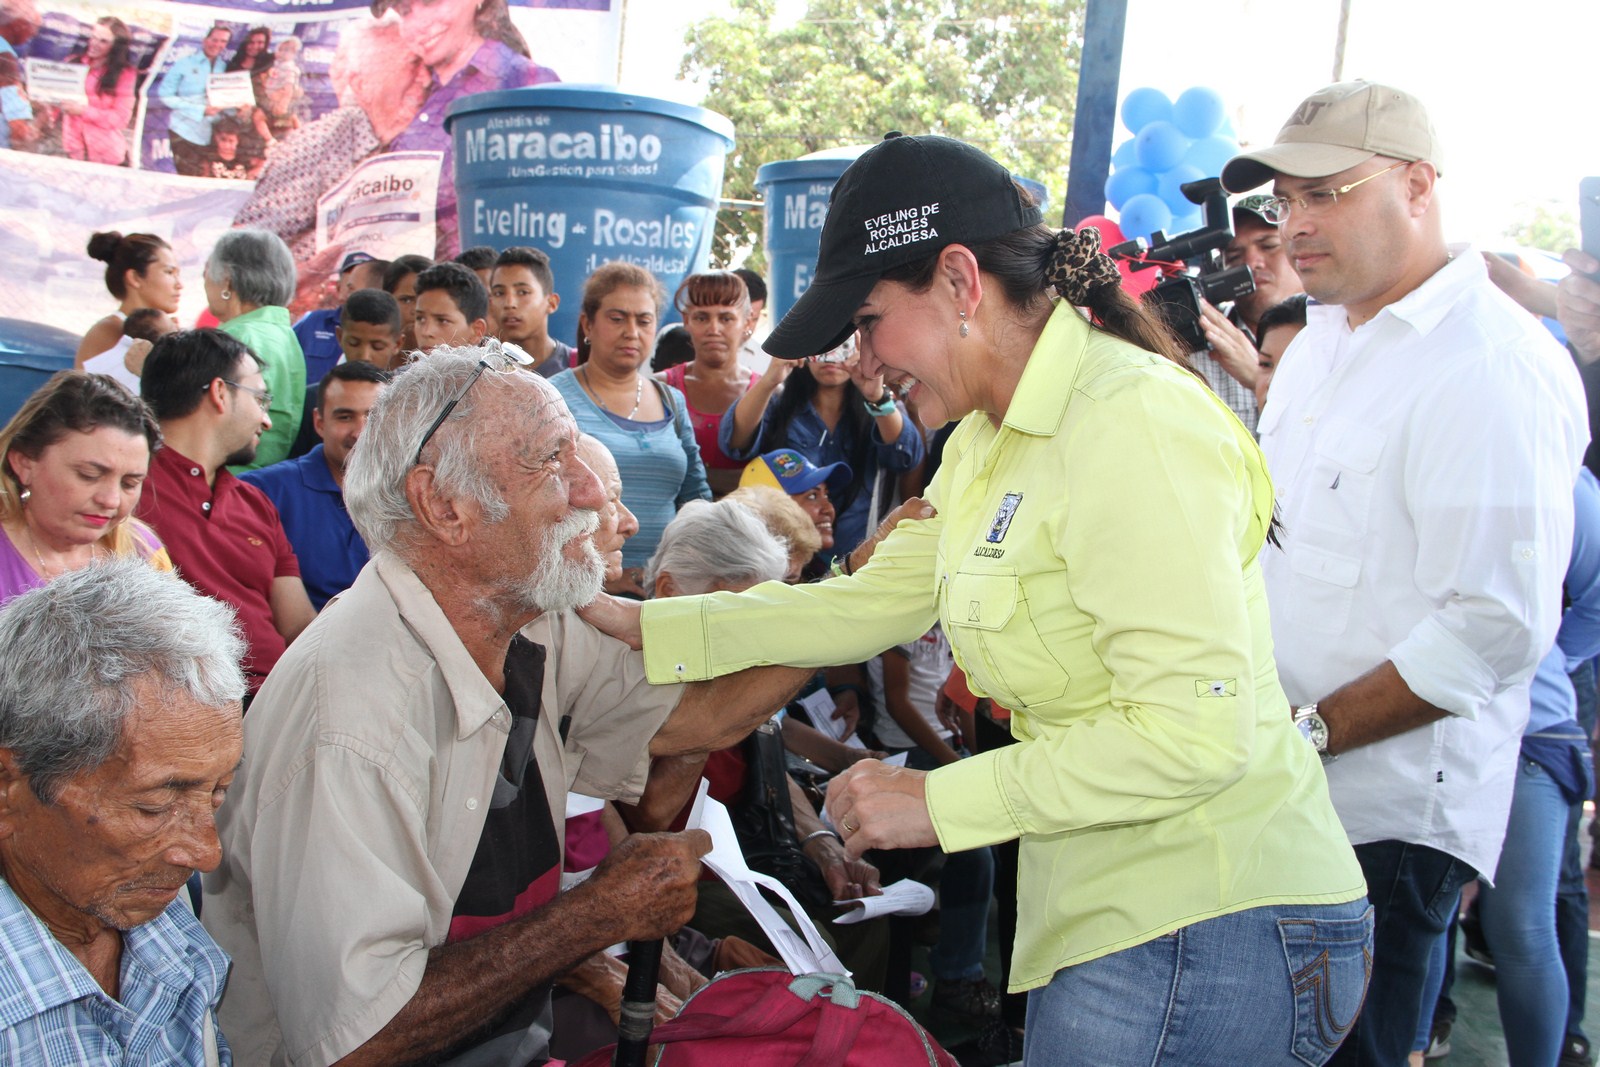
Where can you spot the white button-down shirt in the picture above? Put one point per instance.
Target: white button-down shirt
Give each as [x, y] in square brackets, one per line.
[1424, 465]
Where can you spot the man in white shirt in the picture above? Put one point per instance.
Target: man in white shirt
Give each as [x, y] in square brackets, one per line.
[1424, 436]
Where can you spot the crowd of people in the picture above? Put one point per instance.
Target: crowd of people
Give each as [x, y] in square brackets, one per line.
[1218, 674]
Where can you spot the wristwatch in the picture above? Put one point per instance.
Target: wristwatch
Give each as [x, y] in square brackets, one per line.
[883, 406]
[1314, 729]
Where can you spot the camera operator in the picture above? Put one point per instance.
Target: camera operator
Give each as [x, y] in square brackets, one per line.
[1256, 244]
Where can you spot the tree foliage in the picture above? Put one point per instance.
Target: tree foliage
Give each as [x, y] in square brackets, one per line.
[1001, 74]
[1547, 227]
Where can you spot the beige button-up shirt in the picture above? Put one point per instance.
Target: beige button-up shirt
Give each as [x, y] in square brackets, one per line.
[370, 760]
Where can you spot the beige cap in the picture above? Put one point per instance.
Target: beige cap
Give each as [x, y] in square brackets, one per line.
[1336, 128]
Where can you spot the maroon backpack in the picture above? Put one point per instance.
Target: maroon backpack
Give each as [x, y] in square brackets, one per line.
[767, 1017]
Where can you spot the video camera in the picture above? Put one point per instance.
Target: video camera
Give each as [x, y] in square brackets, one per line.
[1177, 296]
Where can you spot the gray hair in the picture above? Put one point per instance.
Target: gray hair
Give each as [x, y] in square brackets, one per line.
[375, 479]
[706, 543]
[71, 649]
[256, 264]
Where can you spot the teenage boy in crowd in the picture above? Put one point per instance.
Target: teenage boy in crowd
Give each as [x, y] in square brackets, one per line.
[522, 297]
[369, 329]
[452, 307]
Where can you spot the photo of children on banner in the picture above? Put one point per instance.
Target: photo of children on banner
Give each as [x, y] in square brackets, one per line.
[232, 69]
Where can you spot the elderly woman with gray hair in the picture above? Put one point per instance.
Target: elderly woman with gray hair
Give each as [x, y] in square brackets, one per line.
[724, 547]
[249, 282]
[119, 734]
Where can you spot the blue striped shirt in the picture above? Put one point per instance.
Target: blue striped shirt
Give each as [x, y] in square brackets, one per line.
[660, 463]
[52, 1011]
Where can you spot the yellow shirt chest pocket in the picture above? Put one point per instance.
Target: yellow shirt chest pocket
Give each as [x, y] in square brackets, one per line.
[990, 623]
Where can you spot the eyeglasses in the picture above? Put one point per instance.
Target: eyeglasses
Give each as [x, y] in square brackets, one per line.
[263, 396]
[1275, 209]
[505, 355]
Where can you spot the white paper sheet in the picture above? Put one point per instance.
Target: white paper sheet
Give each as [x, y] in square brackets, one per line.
[230, 89]
[820, 707]
[804, 952]
[50, 82]
[579, 804]
[904, 897]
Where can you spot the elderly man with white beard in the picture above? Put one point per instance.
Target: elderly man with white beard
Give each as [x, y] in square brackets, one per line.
[389, 891]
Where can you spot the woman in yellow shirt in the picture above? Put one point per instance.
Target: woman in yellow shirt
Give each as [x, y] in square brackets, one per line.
[1187, 895]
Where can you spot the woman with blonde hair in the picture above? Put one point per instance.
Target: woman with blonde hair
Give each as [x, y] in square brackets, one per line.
[73, 462]
[784, 518]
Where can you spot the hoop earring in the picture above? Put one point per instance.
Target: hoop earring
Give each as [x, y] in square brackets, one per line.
[226, 294]
[963, 330]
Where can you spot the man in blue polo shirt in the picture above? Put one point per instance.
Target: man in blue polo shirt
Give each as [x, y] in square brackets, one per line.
[309, 491]
[183, 89]
[316, 329]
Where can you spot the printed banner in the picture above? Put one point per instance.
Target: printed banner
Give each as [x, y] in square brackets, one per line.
[385, 208]
[186, 117]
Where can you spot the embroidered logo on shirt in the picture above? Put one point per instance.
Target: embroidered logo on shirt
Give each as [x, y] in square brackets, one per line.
[1216, 687]
[1003, 517]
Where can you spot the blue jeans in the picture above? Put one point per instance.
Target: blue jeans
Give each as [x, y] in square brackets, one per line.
[1572, 892]
[966, 886]
[1518, 916]
[1413, 889]
[1572, 923]
[1431, 990]
[1271, 985]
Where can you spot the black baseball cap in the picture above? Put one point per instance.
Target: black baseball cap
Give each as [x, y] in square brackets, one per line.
[901, 201]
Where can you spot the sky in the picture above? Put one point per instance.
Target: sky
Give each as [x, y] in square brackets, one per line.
[1505, 83]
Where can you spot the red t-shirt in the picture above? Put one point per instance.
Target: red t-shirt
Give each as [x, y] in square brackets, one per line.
[225, 540]
[705, 423]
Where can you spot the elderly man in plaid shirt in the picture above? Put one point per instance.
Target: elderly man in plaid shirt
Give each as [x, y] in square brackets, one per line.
[119, 734]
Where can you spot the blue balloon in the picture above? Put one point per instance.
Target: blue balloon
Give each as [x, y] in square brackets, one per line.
[1191, 220]
[1209, 154]
[1167, 187]
[1141, 107]
[1126, 155]
[1129, 182]
[1143, 215]
[1161, 145]
[1198, 111]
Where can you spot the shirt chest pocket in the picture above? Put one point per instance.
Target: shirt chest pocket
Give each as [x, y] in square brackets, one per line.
[989, 622]
[1324, 588]
[1337, 500]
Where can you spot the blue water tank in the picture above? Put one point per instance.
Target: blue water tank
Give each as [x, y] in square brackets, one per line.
[29, 353]
[589, 175]
[795, 192]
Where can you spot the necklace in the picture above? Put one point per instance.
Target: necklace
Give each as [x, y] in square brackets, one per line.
[39, 557]
[638, 394]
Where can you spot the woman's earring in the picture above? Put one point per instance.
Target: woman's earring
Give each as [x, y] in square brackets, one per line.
[25, 496]
[227, 294]
[963, 330]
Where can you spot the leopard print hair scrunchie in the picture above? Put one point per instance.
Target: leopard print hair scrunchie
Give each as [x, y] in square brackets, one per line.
[1077, 266]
